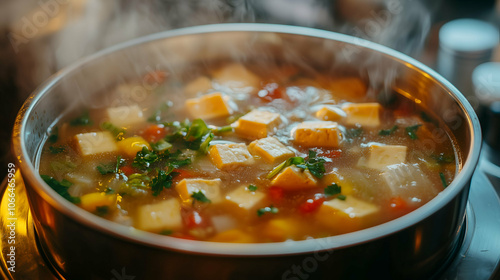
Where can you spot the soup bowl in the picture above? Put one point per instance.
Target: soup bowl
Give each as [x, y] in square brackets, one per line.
[81, 245]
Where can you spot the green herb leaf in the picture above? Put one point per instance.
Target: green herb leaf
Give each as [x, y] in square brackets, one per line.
[443, 159]
[61, 188]
[194, 136]
[341, 197]
[83, 120]
[443, 179]
[332, 190]
[412, 131]
[144, 159]
[109, 168]
[285, 164]
[57, 149]
[118, 132]
[385, 132]
[352, 133]
[200, 196]
[206, 143]
[163, 181]
[271, 209]
[315, 165]
[161, 146]
[222, 129]
[252, 188]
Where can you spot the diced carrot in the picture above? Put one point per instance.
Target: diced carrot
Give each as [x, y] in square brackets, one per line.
[276, 194]
[154, 133]
[193, 219]
[155, 77]
[331, 153]
[128, 170]
[397, 203]
[183, 173]
[311, 205]
[270, 92]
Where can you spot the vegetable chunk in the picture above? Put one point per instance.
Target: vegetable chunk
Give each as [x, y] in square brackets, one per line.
[294, 178]
[330, 113]
[270, 149]
[91, 201]
[230, 156]
[365, 114]
[165, 215]
[209, 106]
[96, 143]
[382, 155]
[125, 115]
[245, 198]
[210, 188]
[130, 146]
[257, 124]
[319, 133]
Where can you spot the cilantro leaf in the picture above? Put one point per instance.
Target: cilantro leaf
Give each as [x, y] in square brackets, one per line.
[194, 136]
[161, 146]
[144, 159]
[270, 209]
[412, 131]
[82, 120]
[200, 196]
[385, 132]
[61, 188]
[118, 132]
[315, 165]
[252, 188]
[110, 167]
[162, 181]
[285, 164]
[332, 190]
[341, 197]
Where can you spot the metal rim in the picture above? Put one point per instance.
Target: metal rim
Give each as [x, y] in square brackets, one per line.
[255, 249]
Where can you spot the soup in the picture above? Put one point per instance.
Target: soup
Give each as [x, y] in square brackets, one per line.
[245, 153]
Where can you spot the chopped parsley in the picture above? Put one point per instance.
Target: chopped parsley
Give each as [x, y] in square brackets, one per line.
[314, 164]
[385, 132]
[194, 136]
[162, 181]
[270, 209]
[57, 149]
[252, 188]
[144, 159]
[412, 131]
[82, 120]
[118, 132]
[341, 197]
[443, 179]
[332, 190]
[102, 210]
[61, 188]
[200, 196]
[110, 167]
[161, 146]
[443, 159]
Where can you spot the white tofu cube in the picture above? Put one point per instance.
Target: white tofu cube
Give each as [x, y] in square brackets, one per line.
[165, 215]
[257, 124]
[210, 188]
[230, 156]
[382, 156]
[317, 134]
[270, 149]
[236, 76]
[93, 143]
[208, 106]
[244, 198]
[125, 115]
[330, 113]
[353, 207]
[364, 114]
[294, 178]
[408, 182]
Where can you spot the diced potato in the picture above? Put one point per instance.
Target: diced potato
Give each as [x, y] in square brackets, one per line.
[348, 88]
[208, 106]
[199, 85]
[270, 149]
[130, 146]
[244, 198]
[165, 215]
[257, 124]
[236, 76]
[96, 143]
[233, 236]
[317, 134]
[281, 229]
[91, 201]
[210, 188]
[230, 156]
[294, 178]
[382, 156]
[347, 215]
[334, 178]
[125, 115]
[330, 113]
[365, 114]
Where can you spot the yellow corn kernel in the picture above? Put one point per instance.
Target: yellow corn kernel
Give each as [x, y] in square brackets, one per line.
[130, 146]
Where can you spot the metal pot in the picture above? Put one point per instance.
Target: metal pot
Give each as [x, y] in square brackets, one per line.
[83, 246]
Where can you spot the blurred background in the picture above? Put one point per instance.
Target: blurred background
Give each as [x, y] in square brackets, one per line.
[38, 38]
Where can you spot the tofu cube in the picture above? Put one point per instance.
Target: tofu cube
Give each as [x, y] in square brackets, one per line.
[257, 124]
[165, 215]
[93, 143]
[91, 201]
[364, 114]
[236, 76]
[131, 145]
[342, 216]
[382, 155]
[208, 106]
[348, 88]
[125, 115]
[317, 134]
[199, 85]
[230, 156]
[270, 149]
[210, 188]
[244, 198]
[330, 113]
[294, 178]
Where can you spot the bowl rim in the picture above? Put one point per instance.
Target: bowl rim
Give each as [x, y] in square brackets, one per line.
[130, 234]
